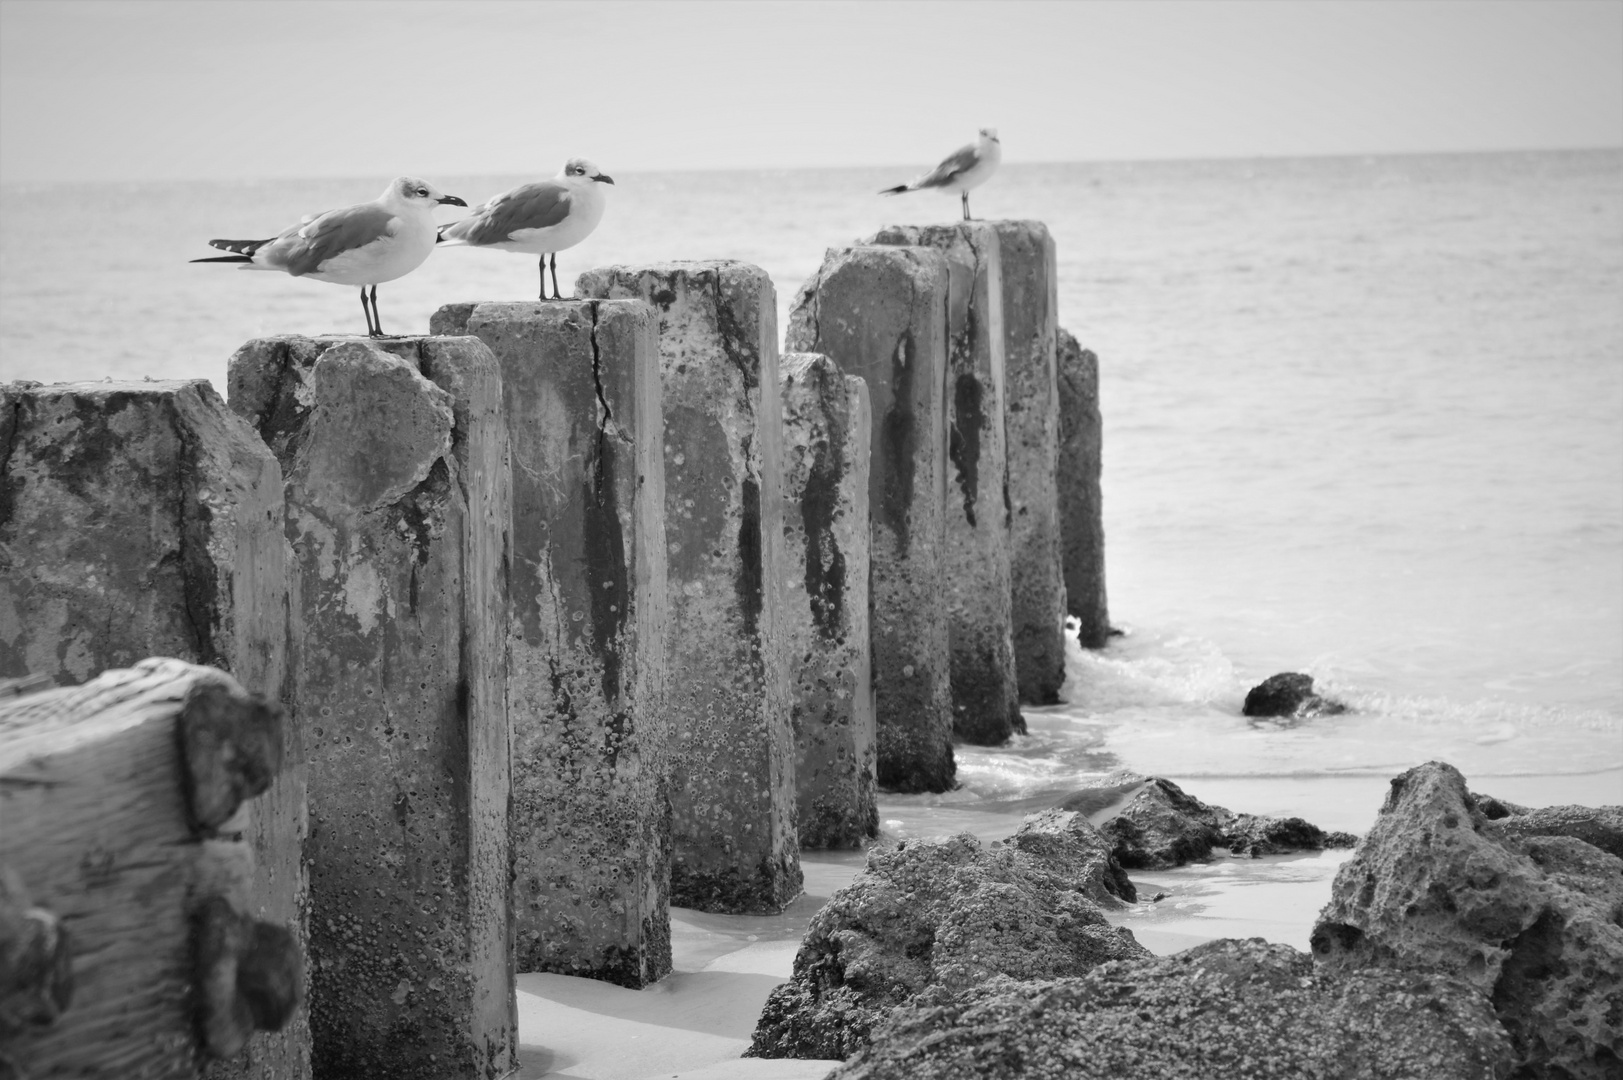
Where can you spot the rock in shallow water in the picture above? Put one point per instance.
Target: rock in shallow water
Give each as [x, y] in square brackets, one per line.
[1153, 824]
[1531, 919]
[1290, 695]
[947, 914]
[1223, 1009]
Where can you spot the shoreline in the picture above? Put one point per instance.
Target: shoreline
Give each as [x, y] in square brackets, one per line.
[694, 1024]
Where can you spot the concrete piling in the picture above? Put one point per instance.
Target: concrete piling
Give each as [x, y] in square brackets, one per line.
[732, 788]
[826, 434]
[1081, 512]
[985, 686]
[394, 454]
[124, 806]
[586, 633]
[880, 313]
[142, 518]
[1030, 304]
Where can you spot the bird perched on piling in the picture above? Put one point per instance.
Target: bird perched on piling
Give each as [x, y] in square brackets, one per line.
[365, 244]
[965, 168]
[542, 218]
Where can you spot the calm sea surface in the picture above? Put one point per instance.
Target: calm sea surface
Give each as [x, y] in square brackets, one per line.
[1363, 418]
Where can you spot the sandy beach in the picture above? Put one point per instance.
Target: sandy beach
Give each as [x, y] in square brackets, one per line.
[694, 1024]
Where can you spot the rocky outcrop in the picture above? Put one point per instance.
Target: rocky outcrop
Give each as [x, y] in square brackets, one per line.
[947, 915]
[1288, 695]
[1069, 845]
[1518, 906]
[1222, 1009]
[1151, 824]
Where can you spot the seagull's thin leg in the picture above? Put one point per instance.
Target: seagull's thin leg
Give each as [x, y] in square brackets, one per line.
[377, 320]
[556, 294]
[543, 277]
[366, 311]
[966, 206]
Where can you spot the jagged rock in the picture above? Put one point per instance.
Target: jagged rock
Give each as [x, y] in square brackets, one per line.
[1222, 1009]
[1070, 846]
[1529, 919]
[1600, 826]
[944, 913]
[1290, 695]
[1152, 824]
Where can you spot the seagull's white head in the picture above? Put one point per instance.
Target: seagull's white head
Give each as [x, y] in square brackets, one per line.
[583, 171]
[990, 134]
[410, 191]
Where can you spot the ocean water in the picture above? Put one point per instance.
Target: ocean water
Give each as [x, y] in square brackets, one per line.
[1363, 418]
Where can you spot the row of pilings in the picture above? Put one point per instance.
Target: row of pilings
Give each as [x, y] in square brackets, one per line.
[576, 610]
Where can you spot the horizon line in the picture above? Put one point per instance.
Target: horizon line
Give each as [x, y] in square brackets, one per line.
[1233, 158]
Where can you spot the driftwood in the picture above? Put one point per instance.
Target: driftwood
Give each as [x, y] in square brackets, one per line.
[119, 801]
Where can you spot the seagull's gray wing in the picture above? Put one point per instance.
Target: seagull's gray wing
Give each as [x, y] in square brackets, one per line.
[531, 206]
[305, 247]
[957, 163]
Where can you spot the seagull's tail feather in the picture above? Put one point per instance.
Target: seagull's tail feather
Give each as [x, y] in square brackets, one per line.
[897, 190]
[226, 258]
[240, 247]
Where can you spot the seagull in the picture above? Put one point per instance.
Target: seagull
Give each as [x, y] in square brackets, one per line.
[365, 244]
[965, 168]
[541, 218]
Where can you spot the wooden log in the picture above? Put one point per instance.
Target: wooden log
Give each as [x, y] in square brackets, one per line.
[591, 829]
[398, 510]
[144, 517]
[122, 801]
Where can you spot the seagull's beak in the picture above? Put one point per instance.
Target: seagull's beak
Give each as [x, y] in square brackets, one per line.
[603, 178]
[451, 200]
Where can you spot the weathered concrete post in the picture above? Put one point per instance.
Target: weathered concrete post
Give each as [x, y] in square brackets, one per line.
[1030, 306]
[880, 313]
[733, 785]
[585, 633]
[398, 509]
[145, 518]
[123, 803]
[985, 686]
[826, 433]
[1081, 510]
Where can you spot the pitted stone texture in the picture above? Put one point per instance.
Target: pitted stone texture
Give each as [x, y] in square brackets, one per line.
[145, 518]
[933, 915]
[398, 510]
[826, 432]
[733, 783]
[1530, 920]
[1030, 305]
[1225, 1008]
[1081, 507]
[1071, 847]
[1152, 824]
[880, 313]
[586, 630]
[985, 687]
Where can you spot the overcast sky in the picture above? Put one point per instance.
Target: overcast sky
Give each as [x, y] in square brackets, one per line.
[207, 90]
